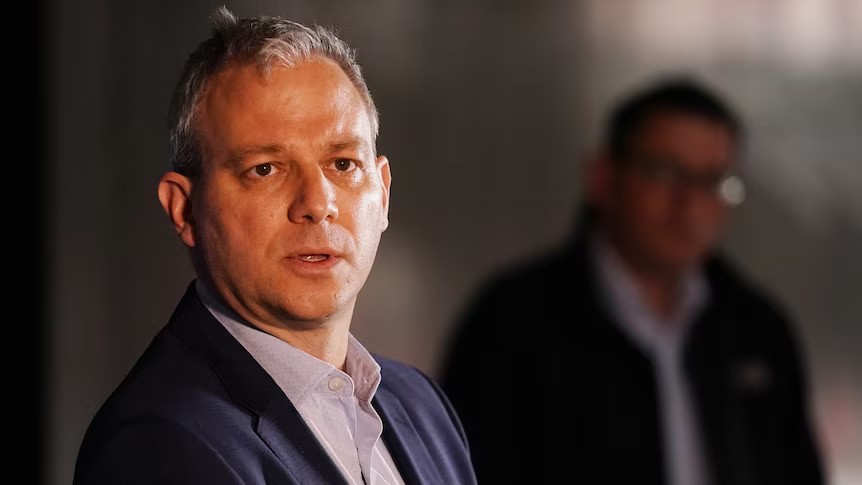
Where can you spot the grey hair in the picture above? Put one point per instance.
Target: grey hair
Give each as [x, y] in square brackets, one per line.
[262, 40]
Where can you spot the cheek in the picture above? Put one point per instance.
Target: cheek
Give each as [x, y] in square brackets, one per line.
[715, 216]
[235, 227]
[367, 218]
[643, 206]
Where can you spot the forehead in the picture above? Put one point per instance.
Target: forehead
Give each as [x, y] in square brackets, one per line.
[313, 99]
[663, 124]
[685, 136]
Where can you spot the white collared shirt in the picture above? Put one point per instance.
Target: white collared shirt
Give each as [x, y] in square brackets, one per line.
[662, 339]
[335, 405]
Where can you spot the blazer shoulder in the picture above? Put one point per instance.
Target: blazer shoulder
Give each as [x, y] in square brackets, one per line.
[735, 288]
[163, 422]
[416, 390]
[537, 271]
[136, 452]
[395, 375]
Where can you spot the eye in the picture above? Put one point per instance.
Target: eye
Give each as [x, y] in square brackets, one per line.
[264, 169]
[343, 165]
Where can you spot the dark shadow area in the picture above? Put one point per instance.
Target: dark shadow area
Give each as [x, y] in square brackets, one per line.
[26, 116]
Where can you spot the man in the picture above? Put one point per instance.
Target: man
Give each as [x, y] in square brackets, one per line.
[636, 352]
[280, 199]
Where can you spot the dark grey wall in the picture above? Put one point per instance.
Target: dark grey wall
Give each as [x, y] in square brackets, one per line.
[488, 109]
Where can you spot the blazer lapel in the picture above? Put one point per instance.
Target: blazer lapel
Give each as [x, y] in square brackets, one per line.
[408, 450]
[279, 423]
[286, 433]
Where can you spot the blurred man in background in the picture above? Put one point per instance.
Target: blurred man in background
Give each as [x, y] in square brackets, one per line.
[637, 352]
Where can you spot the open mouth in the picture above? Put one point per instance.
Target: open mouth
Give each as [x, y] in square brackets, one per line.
[313, 258]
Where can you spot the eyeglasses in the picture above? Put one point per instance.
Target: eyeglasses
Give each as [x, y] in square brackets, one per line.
[726, 186]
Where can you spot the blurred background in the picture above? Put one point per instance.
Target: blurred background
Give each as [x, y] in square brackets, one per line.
[488, 110]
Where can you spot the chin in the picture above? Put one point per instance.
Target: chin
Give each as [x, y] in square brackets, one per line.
[299, 300]
[316, 310]
[683, 259]
[310, 315]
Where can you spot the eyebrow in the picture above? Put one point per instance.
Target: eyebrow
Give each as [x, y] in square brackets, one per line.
[356, 142]
[235, 157]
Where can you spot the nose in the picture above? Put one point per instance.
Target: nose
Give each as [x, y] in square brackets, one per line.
[313, 200]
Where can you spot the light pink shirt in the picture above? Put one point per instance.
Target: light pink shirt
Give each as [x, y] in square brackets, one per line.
[662, 340]
[335, 405]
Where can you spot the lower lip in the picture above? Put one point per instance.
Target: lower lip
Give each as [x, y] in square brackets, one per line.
[314, 267]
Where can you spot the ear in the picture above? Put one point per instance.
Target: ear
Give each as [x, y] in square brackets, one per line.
[386, 182]
[175, 192]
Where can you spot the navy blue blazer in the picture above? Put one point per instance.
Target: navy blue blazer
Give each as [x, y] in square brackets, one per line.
[197, 408]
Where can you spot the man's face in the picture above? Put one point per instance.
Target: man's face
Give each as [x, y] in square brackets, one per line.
[291, 202]
[663, 207]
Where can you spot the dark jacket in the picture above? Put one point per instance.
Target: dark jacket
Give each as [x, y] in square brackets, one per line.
[198, 409]
[540, 333]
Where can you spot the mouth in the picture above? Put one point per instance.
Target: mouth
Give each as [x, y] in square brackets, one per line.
[314, 262]
[313, 258]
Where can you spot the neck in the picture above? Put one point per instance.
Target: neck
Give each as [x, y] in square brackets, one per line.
[659, 286]
[659, 292]
[324, 339]
[327, 342]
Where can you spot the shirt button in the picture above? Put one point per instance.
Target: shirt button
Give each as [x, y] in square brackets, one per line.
[336, 384]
